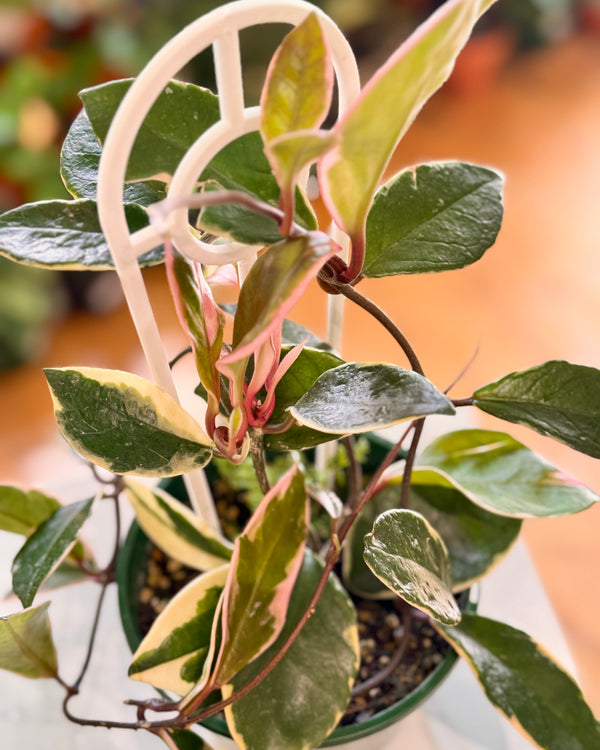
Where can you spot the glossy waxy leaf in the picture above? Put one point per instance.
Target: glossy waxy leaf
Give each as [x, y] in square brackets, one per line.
[264, 566]
[359, 397]
[46, 547]
[126, 424]
[436, 218]
[274, 284]
[185, 739]
[64, 235]
[409, 556]
[26, 645]
[176, 529]
[177, 118]
[476, 540]
[22, 511]
[296, 381]
[369, 131]
[318, 696]
[521, 680]
[500, 474]
[356, 574]
[173, 653]
[557, 398]
[79, 162]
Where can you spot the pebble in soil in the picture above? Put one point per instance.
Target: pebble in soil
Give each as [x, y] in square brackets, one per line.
[380, 631]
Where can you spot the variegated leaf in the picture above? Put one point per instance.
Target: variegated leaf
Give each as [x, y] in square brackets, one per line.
[173, 653]
[126, 424]
[176, 529]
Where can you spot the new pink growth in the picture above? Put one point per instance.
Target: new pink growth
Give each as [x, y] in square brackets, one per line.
[268, 371]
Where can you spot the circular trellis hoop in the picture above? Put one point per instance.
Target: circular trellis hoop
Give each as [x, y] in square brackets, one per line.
[219, 29]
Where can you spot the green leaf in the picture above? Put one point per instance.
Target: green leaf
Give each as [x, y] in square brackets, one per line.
[476, 540]
[300, 377]
[274, 284]
[299, 82]
[242, 165]
[65, 235]
[370, 130]
[409, 556]
[172, 655]
[176, 529]
[185, 739]
[180, 114]
[359, 397]
[46, 547]
[356, 574]
[26, 645]
[125, 423]
[438, 217]
[293, 333]
[319, 695]
[558, 399]
[503, 476]
[523, 682]
[22, 511]
[297, 97]
[291, 152]
[80, 159]
[264, 566]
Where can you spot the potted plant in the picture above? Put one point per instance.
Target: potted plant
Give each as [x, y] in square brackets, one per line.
[266, 632]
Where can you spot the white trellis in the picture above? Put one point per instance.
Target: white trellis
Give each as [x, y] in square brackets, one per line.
[219, 29]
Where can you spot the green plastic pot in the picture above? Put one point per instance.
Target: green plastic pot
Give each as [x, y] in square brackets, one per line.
[130, 580]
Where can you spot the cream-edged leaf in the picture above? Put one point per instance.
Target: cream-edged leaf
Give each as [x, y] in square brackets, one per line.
[521, 680]
[361, 396]
[176, 529]
[410, 557]
[125, 423]
[171, 657]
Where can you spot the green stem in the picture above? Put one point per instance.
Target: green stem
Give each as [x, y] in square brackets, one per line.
[257, 451]
[355, 476]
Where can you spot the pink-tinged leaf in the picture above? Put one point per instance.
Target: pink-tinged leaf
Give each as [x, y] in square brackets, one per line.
[274, 284]
[299, 82]
[264, 567]
[289, 153]
[200, 317]
[285, 364]
[370, 130]
[223, 275]
[266, 360]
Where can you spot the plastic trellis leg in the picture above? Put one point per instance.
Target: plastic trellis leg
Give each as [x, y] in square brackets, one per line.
[219, 28]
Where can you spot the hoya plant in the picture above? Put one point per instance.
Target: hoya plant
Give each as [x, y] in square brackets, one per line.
[266, 632]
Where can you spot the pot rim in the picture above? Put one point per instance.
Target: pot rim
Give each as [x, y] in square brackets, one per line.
[128, 576]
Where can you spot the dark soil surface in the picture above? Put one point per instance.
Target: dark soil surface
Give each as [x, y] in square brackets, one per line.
[381, 631]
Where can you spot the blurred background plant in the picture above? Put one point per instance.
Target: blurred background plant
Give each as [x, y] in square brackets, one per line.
[51, 49]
